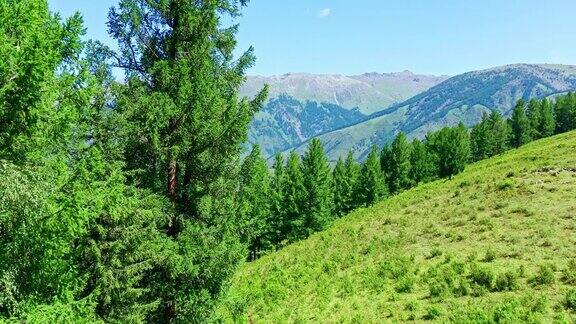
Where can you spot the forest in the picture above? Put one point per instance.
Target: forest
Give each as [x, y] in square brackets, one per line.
[128, 200]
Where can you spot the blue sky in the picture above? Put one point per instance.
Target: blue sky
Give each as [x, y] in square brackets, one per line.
[357, 36]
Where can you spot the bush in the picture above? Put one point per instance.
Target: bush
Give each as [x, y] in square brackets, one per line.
[482, 276]
[570, 299]
[439, 289]
[506, 281]
[569, 274]
[433, 312]
[406, 284]
[490, 255]
[436, 252]
[545, 276]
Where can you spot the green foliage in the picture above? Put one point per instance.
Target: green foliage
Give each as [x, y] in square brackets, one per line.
[569, 273]
[254, 201]
[422, 166]
[317, 207]
[185, 128]
[520, 124]
[278, 227]
[451, 147]
[294, 196]
[570, 299]
[535, 113]
[371, 186]
[565, 109]
[544, 276]
[490, 137]
[33, 45]
[396, 163]
[548, 122]
[506, 281]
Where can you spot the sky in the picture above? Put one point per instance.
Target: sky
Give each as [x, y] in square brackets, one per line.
[357, 36]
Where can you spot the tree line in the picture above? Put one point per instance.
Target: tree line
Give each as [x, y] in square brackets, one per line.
[303, 195]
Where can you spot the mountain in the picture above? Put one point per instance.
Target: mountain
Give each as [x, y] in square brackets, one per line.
[460, 98]
[285, 122]
[304, 105]
[370, 92]
[495, 244]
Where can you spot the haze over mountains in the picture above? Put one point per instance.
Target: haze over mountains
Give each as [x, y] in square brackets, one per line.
[357, 112]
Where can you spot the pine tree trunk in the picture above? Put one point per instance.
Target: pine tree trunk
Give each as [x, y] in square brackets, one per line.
[171, 186]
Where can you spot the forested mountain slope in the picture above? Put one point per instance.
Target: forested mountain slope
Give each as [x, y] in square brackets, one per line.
[461, 98]
[495, 243]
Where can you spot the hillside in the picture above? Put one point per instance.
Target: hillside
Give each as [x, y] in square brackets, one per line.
[495, 243]
[461, 98]
[304, 105]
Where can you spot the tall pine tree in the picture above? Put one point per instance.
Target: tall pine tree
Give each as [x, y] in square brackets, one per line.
[398, 167]
[254, 201]
[371, 186]
[423, 166]
[317, 213]
[277, 226]
[294, 199]
[548, 124]
[186, 125]
[451, 145]
[520, 124]
[535, 115]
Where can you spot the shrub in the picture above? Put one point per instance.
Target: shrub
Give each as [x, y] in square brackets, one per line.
[439, 289]
[482, 276]
[433, 312]
[406, 284]
[545, 276]
[569, 273]
[505, 185]
[436, 252]
[490, 255]
[570, 299]
[506, 281]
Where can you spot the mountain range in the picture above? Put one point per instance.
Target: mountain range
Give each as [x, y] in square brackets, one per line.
[356, 112]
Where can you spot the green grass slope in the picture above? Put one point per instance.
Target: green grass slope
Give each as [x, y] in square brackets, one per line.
[496, 243]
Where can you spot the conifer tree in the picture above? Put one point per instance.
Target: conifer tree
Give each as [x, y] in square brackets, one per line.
[186, 125]
[294, 199]
[548, 124]
[535, 115]
[352, 174]
[520, 124]
[277, 221]
[451, 145]
[254, 201]
[371, 186]
[423, 166]
[480, 139]
[565, 109]
[398, 168]
[318, 200]
[339, 187]
[344, 178]
[499, 134]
